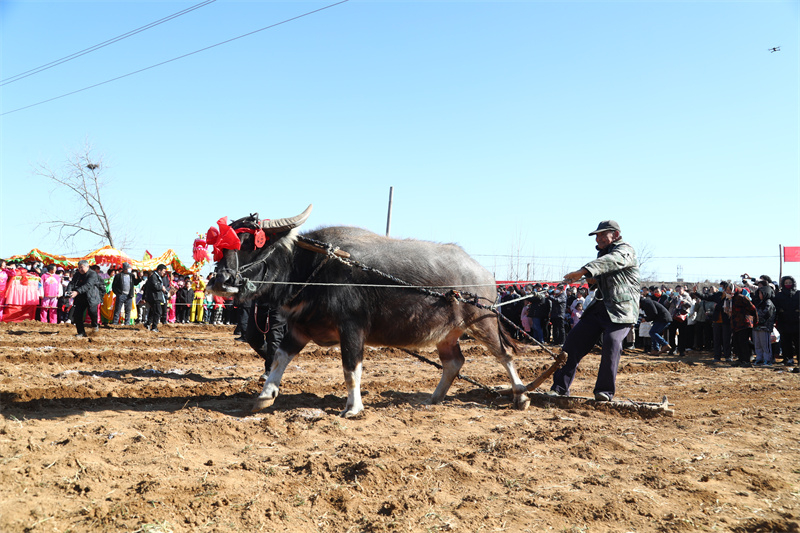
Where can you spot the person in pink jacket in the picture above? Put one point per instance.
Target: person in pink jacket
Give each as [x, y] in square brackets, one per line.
[5, 273]
[51, 289]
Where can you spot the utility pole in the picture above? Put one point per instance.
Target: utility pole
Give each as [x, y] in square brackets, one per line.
[389, 214]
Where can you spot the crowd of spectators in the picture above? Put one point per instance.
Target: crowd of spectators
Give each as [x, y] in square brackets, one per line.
[753, 322]
[126, 298]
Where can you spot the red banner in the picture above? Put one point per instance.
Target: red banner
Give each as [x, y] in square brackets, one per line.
[791, 254]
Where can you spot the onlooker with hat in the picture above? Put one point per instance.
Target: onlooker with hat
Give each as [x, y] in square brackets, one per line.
[612, 312]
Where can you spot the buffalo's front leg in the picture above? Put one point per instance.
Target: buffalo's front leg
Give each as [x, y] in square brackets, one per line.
[280, 361]
[352, 342]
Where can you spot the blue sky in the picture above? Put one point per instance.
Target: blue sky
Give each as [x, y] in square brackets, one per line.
[510, 128]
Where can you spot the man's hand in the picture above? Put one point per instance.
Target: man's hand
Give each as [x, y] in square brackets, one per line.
[576, 275]
[73, 294]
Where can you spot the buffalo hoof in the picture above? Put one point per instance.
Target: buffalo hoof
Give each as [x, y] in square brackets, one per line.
[352, 413]
[522, 402]
[262, 403]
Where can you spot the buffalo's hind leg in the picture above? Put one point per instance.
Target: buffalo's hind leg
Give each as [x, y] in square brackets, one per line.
[452, 360]
[486, 330]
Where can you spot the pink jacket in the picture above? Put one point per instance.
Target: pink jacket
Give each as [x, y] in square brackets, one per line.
[51, 285]
[4, 275]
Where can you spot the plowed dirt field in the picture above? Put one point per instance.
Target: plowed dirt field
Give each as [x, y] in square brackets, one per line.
[151, 432]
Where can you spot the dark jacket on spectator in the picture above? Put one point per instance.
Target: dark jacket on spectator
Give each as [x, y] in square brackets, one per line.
[654, 311]
[154, 289]
[540, 306]
[559, 305]
[88, 286]
[787, 306]
[765, 309]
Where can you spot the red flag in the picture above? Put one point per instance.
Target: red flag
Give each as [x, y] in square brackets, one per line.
[791, 254]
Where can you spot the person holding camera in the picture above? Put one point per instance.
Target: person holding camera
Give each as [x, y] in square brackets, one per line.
[85, 289]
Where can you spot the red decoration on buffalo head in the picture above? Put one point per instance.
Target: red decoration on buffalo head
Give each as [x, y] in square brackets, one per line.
[260, 238]
[224, 239]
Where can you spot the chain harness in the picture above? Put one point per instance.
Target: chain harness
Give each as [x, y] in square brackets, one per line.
[333, 252]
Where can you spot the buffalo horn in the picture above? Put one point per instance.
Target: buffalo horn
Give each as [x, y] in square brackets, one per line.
[285, 224]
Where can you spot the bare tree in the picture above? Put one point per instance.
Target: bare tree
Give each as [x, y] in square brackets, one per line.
[83, 176]
[645, 255]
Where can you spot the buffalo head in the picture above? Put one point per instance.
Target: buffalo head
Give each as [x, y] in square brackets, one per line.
[244, 248]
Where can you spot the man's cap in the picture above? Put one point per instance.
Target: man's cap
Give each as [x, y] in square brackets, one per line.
[606, 225]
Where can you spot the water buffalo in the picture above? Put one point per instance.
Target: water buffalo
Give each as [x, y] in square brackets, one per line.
[330, 301]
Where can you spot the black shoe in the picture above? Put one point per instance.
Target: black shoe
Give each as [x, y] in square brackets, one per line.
[240, 339]
[602, 397]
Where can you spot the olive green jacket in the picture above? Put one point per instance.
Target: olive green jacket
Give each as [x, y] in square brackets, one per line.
[616, 270]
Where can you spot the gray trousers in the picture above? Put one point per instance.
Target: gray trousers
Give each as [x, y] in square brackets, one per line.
[123, 300]
[594, 324]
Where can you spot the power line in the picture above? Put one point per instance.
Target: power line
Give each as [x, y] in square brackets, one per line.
[85, 51]
[536, 257]
[176, 58]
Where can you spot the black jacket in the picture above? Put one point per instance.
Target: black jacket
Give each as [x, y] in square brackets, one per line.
[89, 286]
[540, 306]
[765, 309]
[559, 305]
[787, 306]
[654, 311]
[154, 289]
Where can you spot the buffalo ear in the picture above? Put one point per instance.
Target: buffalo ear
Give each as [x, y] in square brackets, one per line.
[285, 224]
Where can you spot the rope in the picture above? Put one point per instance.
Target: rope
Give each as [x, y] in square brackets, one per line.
[460, 376]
